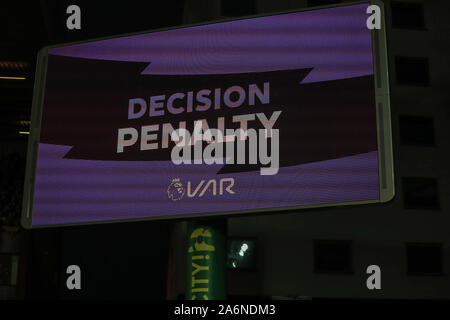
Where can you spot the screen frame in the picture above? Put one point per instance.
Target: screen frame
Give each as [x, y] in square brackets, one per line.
[383, 121]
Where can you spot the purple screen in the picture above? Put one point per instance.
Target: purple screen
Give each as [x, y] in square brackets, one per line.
[319, 68]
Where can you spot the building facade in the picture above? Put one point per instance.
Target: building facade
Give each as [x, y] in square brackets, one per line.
[325, 253]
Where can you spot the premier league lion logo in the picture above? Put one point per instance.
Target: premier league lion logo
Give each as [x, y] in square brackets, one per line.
[175, 190]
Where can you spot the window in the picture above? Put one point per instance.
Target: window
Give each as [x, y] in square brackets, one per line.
[412, 71]
[407, 15]
[316, 3]
[332, 256]
[424, 258]
[233, 8]
[416, 130]
[241, 254]
[420, 193]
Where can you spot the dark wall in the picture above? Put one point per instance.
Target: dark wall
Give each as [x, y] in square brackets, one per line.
[117, 261]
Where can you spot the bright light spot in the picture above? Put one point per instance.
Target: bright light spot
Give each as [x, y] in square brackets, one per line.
[241, 253]
[12, 78]
[233, 264]
[244, 247]
[24, 132]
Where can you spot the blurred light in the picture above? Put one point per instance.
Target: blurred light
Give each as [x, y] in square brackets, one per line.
[24, 132]
[13, 65]
[233, 264]
[244, 247]
[13, 78]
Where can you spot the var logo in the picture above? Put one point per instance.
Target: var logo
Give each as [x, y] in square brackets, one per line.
[176, 189]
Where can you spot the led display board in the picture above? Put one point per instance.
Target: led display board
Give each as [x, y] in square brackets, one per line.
[259, 114]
